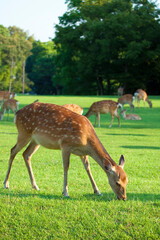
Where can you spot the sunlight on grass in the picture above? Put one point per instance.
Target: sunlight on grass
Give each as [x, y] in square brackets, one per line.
[46, 214]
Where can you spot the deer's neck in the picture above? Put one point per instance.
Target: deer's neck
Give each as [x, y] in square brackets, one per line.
[147, 100]
[99, 154]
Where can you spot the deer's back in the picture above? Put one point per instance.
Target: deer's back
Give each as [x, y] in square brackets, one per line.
[127, 98]
[4, 95]
[74, 107]
[141, 94]
[103, 106]
[52, 125]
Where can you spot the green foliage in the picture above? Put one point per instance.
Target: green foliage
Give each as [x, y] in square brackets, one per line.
[14, 49]
[99, 41]
[46, 214]
[40, 67]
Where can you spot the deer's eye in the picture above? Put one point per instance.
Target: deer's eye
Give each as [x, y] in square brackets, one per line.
[118, 184]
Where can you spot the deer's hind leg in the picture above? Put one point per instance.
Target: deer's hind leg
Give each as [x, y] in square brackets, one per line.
[21, 142]
[27, 154]
[66, 160]
[97, 118]
[118, 118]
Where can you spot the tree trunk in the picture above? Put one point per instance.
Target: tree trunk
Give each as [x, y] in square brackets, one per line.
[100, 85]
[23, 76]
[11, 76]
[109, 86]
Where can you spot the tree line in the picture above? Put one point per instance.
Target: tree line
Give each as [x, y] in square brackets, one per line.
[99, 45]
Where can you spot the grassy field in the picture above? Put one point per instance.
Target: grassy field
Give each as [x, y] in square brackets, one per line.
[29, 214]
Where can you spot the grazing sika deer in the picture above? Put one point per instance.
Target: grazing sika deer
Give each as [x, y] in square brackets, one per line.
[129, 116]
[4, 95]
[74, 107]
[103, 107]
[56, 127]
[142, 95]
[127, 99]
[10, 104]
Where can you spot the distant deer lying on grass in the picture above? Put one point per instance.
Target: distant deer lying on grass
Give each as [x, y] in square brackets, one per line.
[129, 116]
[10, 104]
[56, 127]
[142, 95]
[104, 107]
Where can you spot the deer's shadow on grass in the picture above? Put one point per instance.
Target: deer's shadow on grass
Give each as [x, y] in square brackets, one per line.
[127, 134]
[104, 197]
[142, 147]
[8, 133]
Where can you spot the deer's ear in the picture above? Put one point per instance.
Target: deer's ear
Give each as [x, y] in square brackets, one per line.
[121, 161]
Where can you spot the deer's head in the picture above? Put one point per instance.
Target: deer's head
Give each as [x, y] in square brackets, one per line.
[118, 179]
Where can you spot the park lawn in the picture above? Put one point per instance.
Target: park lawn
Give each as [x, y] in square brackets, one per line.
[29, 214]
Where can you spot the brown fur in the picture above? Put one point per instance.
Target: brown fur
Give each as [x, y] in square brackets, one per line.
[74, 107]
[120, 91]
[4, 95]
[130, 116]
[10, 104]
[56, 127]
[103, 107]
[142, 95]
[127, 99]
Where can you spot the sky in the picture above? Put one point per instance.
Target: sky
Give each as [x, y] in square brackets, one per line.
[37, 17]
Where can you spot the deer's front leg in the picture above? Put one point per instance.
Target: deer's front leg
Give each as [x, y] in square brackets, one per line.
[88, 170]
[65, 158]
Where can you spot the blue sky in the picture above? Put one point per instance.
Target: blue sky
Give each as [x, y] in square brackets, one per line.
[38, 17]
[35, 16]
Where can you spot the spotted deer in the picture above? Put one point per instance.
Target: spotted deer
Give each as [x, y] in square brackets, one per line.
[129, 116]
[104, 107]
[74, 107]
[127, 99]
[142, 95]
[4, 95]
[120, 91]
[56, 127]
[10, 104]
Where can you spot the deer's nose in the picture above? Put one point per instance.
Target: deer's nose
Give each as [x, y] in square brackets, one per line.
[123, 198]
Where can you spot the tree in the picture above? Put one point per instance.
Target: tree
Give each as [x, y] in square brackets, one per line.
[102, 44]
[40, 67]
[15, 48]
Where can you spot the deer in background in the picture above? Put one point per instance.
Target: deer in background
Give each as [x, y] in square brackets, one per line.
[104, 107]
[142, 95]
[120, 91]
[4, 95]
[10, 104]
[127, 99]
[56, 127]
[74, 107]
[129, 116]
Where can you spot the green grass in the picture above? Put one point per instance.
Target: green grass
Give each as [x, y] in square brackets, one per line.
[46, 214]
